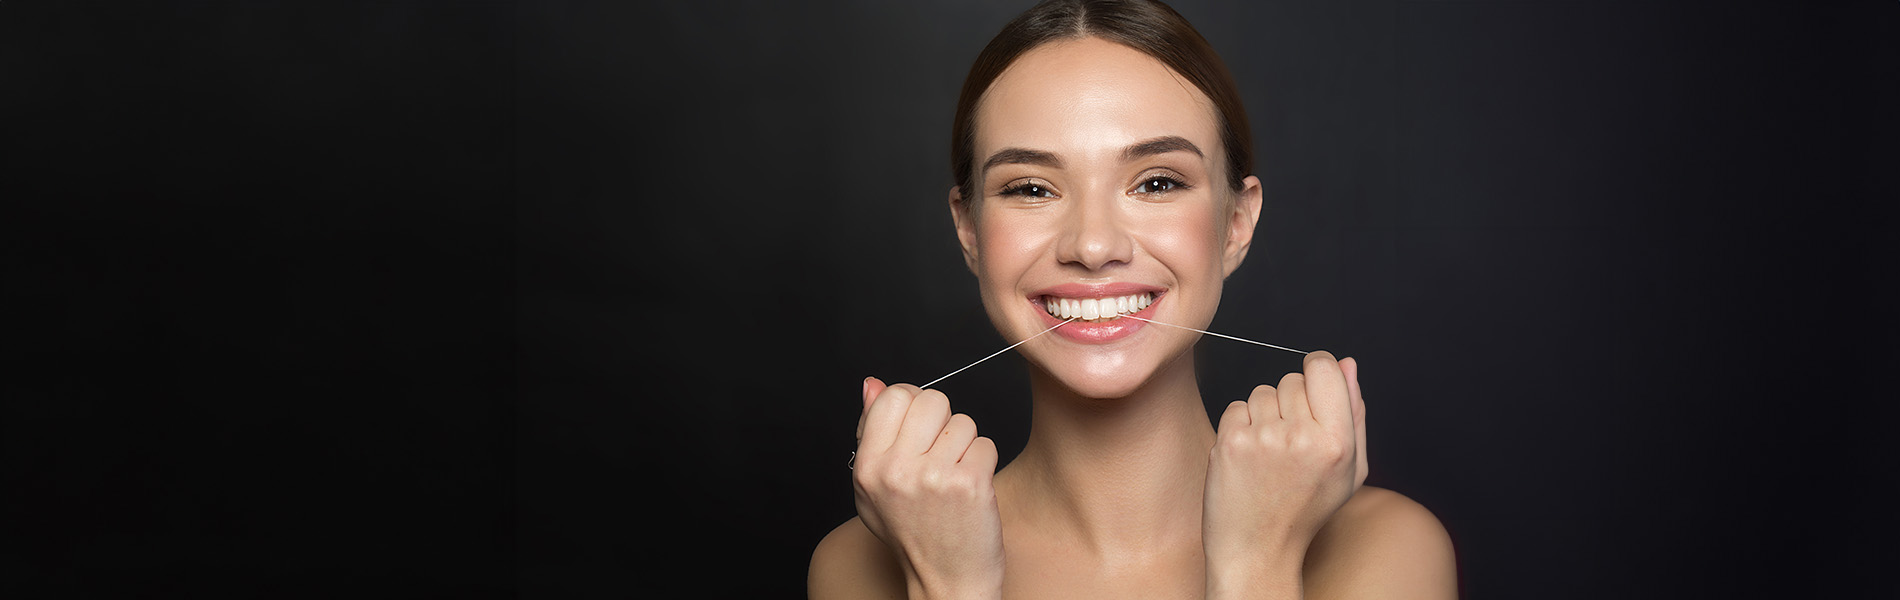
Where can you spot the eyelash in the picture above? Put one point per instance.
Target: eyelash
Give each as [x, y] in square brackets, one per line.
[1022, 189]
[1173, 184]
[1025, 188]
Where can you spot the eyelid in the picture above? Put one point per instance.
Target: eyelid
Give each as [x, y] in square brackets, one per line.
[1015, 185]
[1149, 176]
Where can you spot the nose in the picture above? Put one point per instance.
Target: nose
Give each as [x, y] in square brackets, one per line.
[1096, 233]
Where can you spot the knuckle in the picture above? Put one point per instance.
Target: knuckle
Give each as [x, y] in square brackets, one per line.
[933, 398]
[1236, 411]
[932, 480]
[1319, 357]
[961, 420]
[1335, 451]
[1302, 444]
[892, 395]
[1240, 444]
[1291, 380]
[1263, 391]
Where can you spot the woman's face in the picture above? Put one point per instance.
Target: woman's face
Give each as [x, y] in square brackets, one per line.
[1101, 191]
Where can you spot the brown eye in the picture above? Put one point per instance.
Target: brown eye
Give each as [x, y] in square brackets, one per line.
[1156, 185]
[1029, 189]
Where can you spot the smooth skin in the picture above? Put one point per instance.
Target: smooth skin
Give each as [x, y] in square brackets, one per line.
[1125, 489]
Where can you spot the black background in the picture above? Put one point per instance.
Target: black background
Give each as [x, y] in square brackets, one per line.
[474, 299]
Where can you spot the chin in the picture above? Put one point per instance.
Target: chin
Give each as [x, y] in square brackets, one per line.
[1101, 375]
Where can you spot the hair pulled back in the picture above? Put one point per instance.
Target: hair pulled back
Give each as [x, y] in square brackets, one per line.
[1148, 26]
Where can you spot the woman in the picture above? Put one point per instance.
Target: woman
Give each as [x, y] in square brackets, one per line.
[1101, 158]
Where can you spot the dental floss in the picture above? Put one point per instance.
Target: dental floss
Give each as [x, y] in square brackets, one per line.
[1053, 328]
[1219, 335]
[998, 352]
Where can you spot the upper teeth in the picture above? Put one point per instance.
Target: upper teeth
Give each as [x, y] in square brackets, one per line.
[1095, 308]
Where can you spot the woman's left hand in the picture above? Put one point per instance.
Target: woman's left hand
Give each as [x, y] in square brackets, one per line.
[1283, 462]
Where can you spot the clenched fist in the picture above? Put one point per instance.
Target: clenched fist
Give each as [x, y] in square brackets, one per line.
[1283, 462]
[925, 485]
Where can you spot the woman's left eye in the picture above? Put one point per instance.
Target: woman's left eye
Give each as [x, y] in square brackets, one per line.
[1156, 185]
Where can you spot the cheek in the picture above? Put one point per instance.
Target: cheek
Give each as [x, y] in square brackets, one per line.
[1007, 247]
[1188, 241]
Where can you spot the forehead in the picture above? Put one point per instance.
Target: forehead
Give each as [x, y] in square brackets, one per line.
[1090, 96]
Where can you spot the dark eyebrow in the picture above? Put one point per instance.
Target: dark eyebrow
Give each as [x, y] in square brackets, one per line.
[1161, 145]
[1022, 156]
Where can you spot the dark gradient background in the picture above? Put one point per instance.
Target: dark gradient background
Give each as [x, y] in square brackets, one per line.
[556, 299]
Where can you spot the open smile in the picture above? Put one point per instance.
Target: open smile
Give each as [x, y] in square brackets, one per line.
[1097, 309]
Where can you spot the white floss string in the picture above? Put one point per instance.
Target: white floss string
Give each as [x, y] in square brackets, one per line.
[1000, 352]
[1219, 335]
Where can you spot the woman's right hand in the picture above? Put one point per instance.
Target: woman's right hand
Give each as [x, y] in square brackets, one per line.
[925, 485]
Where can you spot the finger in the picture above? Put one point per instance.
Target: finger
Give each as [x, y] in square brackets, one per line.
[929, 412]
[981, 456]
[1351, 368]
[914, 390]
[1293, 398]
[885, 417]
[1234, 418]
[1326, 391]
[1263, 406]
[872, 387]
[955, 437]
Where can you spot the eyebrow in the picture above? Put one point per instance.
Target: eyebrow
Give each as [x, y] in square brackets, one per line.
[1022, 156]
[1142, 149]
[1161, 145]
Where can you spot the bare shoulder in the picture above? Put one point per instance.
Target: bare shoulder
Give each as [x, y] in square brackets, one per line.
[852, 563]
[1382, 544]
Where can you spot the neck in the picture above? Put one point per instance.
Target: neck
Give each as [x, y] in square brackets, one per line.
[1121, 476]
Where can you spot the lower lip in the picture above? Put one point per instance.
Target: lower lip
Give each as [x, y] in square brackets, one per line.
[1098, 332]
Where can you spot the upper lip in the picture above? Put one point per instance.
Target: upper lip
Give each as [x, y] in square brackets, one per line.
[1097, 290]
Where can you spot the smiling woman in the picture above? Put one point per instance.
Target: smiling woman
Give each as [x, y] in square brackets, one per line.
[1103, 171]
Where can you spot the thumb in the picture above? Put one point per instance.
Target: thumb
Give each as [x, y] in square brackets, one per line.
[872, 387]
[1350, 367]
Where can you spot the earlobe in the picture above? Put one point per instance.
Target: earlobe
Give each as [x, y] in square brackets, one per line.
[966, 226]
[1242, 221]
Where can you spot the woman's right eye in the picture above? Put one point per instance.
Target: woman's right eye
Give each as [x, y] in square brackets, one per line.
[1032, 190]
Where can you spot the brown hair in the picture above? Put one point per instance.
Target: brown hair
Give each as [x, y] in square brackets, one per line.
[1147, 26]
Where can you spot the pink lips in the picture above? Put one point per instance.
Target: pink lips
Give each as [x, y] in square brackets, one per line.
[1102, 332]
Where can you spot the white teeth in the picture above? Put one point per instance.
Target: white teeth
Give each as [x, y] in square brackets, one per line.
[1092, 309]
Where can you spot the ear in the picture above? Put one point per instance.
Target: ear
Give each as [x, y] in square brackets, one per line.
[1240, 224]
[966, 226]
